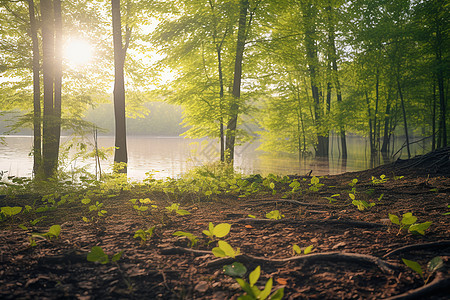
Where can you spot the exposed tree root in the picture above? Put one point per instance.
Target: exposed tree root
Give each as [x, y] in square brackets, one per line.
[439, 283]
[423, 246]
[352, 223]
[385, 266]
[299, 203]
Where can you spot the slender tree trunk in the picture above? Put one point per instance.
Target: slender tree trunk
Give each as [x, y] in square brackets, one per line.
[58, 74]
[120, 154]
[369, 112]
[405, 123]
[221, 95]
[234, 109]
[384, 147]
[375, 119]
[433, 120]
[48, 46]
[37, 155]
[309, 13]
[440, 76]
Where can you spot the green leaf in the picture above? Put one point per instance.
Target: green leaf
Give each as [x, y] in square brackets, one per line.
[296, 249]
[86, 201]
[435, 264]
[236, 269]
[218, 252]
[117, 256]
[221, 230]
[23, 227]
[55, 230]
[408, 219]
[227, 249]
[352, 196]
[246, 287]
[272, 185]
[254, 217]
[182, 212]
[278, 295]
[420, 227]
[308, 249]
[267, 288]
[254, 276]
[133, 201]
[97, 255]
[394, 219]
[414, 266]
[314, 180]
[11, 211]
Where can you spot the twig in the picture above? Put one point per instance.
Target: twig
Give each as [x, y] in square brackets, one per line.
[439, 283]
[423, 246]
[357, 224]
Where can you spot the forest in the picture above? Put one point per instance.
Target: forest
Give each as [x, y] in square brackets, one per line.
[298, 72]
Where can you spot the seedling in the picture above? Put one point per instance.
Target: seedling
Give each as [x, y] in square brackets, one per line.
[360, 204]
[447, 213]
[8, 211]
[224, 249]
[432, 266]
[332, 199]
[98, 255]
[382, 179]
[275, 215]
[236, 269]
[192, 238]
[315, 184]
[175, 208]
[97, 207]
[409, 222]
[53, 232]
[353, 185]
[253, 292]
[296, 250]
[144, 235]
[218, 231]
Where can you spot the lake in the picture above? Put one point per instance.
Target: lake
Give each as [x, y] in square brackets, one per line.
[171, 156]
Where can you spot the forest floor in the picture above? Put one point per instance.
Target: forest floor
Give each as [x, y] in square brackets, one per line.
[356, 254]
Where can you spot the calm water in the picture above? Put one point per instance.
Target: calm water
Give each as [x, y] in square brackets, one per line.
[171, 156]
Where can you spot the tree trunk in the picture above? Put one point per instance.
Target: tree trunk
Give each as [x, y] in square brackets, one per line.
[58, 74]
[48, 47]
[120, 154]
[37, 155]
[433, 120]
[234, 109]
[309, 13]
[404, 117]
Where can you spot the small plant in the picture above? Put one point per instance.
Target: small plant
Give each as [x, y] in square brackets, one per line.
[360, 204]
[432, 266]
[275, 215]
[53, 232]
[8, 211]
[296, 250]
[144, 235]
[192, 238]
[236, 269]
[97, 207]
[98, 255]
[447, 213]
[332, 199]
[253, 292]
[353, 185]
[315, 184]
[409, 222]
[224, 249]
[175, 208]
[218, 231]
[382, 179]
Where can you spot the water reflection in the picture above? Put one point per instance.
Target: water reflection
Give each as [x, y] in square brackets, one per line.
[170, 157]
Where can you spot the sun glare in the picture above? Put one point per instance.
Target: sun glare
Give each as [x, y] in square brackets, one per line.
[78, 52]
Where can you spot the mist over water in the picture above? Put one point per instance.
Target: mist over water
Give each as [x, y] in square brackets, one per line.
[171, 156]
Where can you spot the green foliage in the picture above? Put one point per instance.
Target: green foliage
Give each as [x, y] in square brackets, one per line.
[447, 213]
[360, 204]
[296, 250]
[382, 179]
[218, 231]
[332, 198]
[408, 222]
[275, 215]
[144, 235]
[236, 269]
[253, 292]
[8, 211]
[175, 208]
[433, 265]
[225, 250]
[315, 184]
[192, 238]
[52, 233]
[98, 255]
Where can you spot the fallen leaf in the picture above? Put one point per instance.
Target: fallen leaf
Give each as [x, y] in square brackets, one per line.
[282, 281]
[248, 226]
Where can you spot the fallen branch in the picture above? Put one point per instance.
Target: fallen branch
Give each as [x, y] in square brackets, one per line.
[423, 246]
[308, 259]
[356, 224]
[439, 283]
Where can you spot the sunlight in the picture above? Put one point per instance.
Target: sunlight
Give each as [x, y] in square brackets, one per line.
[78, 52]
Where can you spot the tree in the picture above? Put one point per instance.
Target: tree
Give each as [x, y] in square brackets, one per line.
[120, 51]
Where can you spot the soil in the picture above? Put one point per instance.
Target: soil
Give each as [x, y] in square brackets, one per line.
[356, 254]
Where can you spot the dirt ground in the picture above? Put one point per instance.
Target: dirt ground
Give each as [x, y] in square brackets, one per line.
[356, 254]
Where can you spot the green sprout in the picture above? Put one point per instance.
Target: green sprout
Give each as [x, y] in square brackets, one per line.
[408, 222]
[432, 266]
[253, 292]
